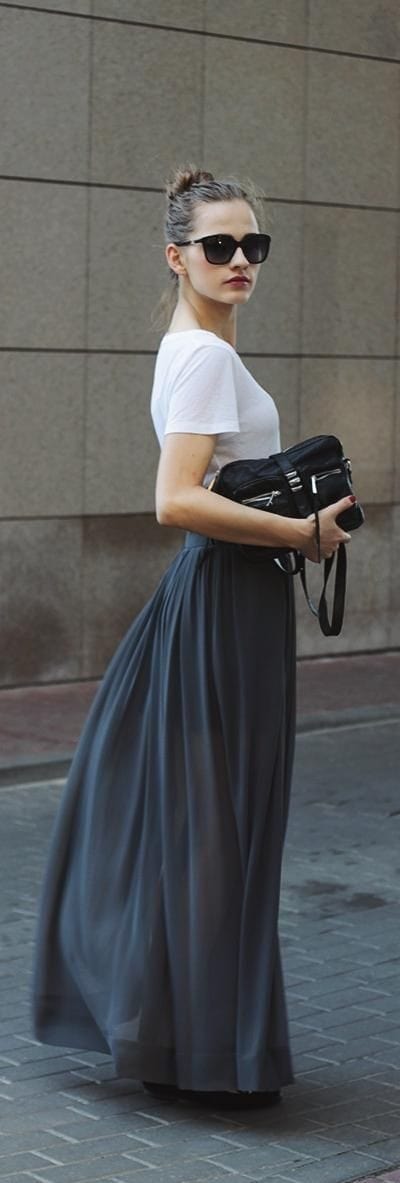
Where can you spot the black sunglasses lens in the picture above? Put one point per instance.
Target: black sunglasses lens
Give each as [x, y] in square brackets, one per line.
[256, 247]
[219, 248]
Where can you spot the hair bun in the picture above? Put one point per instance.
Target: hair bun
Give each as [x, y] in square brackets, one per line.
[184, 178]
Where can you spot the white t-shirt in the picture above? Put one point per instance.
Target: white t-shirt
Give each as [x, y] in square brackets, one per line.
[202, 386]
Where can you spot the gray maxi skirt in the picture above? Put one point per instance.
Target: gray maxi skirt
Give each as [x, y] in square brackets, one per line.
[157, 936]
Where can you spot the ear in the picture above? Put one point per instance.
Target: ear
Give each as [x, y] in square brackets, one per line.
[175, 259]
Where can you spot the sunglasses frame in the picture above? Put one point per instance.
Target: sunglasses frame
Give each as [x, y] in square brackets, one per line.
[252, 234]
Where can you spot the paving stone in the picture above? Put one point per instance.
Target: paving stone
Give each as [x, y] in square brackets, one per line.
[372, 1107]
[239, 1178]
[30, 1052]
[100, 1167]
[319, 987]
[304, 1061]
[40, 1106]
[389, 1076]
[361, 1025]
[49, 1083]
[25, 1162]
[329, 1020]
[256, 1161]
[313, 1041]
[316, 1146]
[393, 1177]
[21, 1178]
[17, 1025]
[362, 1048]
[67, 1152]
[332, 1099]
[305, 1012]
[269, 1176]
[388, 1148]
[387, 1054]
[386, 1123]
[387, 1004]
[30, 1069]
[354, 995]
[356, 1135]
[119, 1091]
[41, 1140]
[392, 1036]
[327, 1075]
[380, 976]
[342, 1169]
[177, 1173]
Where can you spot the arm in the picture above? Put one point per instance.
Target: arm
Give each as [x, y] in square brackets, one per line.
[181, 500]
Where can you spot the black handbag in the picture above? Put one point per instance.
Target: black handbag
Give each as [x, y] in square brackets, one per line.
[296, 483]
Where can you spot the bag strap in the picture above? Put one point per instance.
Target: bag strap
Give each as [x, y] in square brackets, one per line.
[329, 628]
[293, 478]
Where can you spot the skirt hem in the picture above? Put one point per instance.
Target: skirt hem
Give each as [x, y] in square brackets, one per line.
[205, 1072]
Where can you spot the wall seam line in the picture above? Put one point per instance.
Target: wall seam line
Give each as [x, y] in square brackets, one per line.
[303, 231]
[125, 188]
[396, 393]
[211, 33]
[87, 356]
[243, 353]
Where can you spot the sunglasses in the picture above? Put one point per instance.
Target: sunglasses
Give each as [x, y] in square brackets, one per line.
[220, 248]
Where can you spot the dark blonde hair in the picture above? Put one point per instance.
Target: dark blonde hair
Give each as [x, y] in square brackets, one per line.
[185, 190]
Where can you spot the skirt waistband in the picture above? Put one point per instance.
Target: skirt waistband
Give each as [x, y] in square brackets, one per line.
[251, 553]
[197, 540]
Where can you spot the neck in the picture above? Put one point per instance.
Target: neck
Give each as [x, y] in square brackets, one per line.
[196, 312]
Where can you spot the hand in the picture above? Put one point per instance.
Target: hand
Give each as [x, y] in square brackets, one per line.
[330, 533]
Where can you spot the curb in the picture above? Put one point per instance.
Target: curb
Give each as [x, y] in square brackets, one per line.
[55, 766]
[31, 770]
[349, 717]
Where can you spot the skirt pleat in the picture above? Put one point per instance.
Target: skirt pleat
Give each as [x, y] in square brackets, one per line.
[157, 938]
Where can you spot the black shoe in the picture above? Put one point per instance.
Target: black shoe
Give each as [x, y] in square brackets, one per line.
[238, 1100]
[212, 1098]
[165, 1092]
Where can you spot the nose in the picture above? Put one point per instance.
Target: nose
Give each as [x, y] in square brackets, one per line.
[239, 258]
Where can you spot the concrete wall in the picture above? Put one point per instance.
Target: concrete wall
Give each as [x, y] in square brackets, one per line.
[98, 99]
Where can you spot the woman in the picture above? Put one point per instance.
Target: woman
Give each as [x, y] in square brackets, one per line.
[157, 935]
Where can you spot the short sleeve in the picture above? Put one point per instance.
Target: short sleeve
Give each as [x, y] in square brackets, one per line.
[203, 396]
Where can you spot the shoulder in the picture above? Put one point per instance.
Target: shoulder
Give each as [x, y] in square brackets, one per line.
[194, 339]
[195, 346]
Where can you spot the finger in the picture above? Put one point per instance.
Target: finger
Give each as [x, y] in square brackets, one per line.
[344, 503]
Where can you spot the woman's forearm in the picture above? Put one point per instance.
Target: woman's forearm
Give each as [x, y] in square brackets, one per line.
[205, 512]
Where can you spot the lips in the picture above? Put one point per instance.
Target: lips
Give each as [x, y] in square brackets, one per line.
[238, 279]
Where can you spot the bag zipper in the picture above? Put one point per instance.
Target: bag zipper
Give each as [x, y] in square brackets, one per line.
[268, 497]
[321, 476]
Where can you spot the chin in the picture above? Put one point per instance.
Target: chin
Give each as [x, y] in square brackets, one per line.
[238, 295]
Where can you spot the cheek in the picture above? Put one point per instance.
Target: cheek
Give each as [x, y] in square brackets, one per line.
[204, 277]
[206, 272]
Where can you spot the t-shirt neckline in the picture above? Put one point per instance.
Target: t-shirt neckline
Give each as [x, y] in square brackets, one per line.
[204, 332]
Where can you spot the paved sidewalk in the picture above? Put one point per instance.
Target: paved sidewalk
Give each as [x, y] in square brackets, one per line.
[66, 1118]
[39, 725]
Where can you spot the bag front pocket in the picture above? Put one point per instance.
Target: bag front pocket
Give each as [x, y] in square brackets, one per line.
[274, 501]
[330, 486]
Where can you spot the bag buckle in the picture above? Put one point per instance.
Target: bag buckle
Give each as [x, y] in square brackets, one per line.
[293, 480]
